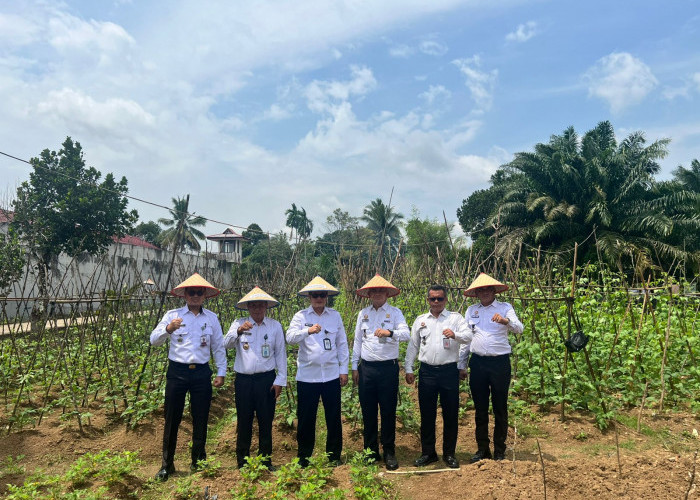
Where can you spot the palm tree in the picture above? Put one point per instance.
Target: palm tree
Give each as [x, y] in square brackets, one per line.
[569, 189]
[188, 234]
[299, 221]
[385, 224]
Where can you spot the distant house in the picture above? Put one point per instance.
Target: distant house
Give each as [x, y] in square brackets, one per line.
[230, 245]
[6, 217]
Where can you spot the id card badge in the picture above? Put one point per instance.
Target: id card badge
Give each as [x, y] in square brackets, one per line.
[265, 350]
[327, 344]
[445, 343]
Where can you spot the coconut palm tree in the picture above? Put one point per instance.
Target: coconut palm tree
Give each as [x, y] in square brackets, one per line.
[298, 221]
[188, 235]
[385, 224]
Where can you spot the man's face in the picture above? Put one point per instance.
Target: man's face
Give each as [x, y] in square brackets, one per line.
[194, 296]
[318, 299]
[437, 301]
[486, 295]
[257, 310]
[378, 296]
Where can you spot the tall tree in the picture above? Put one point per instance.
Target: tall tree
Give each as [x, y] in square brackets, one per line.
[569, 189]
[188, 235]
[65, 207]
[254, 235]
[298, 221]
[385, 224]
[148, 231]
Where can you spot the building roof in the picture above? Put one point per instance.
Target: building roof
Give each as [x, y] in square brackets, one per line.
[228, 235]
[134, 241]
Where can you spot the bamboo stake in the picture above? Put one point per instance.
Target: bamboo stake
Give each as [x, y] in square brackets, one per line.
[544, 477]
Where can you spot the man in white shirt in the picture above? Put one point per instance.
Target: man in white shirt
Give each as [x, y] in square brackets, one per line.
[322, 369]
[435, 339]
[375, 366]
[261, 372]
[489, 362]
[195, 335]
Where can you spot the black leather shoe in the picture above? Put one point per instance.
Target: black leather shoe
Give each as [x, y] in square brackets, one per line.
[480, 455]
[451, 461]
[425, 460]
[499, 455]
[303, 462]
[390, 461]
[164, 473]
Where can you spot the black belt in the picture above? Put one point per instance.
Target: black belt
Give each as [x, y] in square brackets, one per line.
[446, 366]
[386, 362]
[481, 356]
[190, 366]
[255, 375]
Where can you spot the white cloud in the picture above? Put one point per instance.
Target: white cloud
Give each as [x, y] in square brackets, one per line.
[523, 32]
[321, 95]
[620, 79]
[696, 80]
[480, 83]
[435, 92]
[16, 30]
[433, 48]
[401, 51]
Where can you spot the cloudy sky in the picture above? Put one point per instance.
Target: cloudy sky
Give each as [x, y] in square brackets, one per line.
[250, 106]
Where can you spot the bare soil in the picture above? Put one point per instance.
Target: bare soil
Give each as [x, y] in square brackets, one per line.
[579, 461]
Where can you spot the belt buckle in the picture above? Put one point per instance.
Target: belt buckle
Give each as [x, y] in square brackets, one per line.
[192, 367]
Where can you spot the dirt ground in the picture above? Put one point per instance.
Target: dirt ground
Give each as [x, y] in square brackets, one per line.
[580, 461]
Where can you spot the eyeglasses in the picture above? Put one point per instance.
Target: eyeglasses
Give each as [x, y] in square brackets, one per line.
[318, 295]
[436, 299]
[192, 293]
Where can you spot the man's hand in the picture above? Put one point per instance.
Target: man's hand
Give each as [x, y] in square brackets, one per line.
[218, 381]
[246, 326]
[343, 379]
[448, 333]
[315, 329]
[500, 319]
[355, 377]
[410, 378]
[277, 389]
[174, 325]
[381, 332]
[463, 374]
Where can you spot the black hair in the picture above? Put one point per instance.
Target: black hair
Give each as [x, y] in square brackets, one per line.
[437, 288]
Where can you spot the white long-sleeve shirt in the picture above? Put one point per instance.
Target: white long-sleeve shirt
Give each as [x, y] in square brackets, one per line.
[489, 337]
[427, 340]
[371, 348]
[196, 341]
[266, 337]
[322, 356]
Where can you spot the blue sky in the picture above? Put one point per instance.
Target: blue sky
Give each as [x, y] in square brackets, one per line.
[252, 106]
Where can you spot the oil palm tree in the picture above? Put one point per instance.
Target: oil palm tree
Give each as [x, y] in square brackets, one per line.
[188, 235]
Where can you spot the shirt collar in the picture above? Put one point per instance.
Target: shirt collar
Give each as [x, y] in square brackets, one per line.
[310, 309]
[253, 321]
[384, 307]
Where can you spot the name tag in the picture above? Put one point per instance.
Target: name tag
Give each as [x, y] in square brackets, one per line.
[327, 344]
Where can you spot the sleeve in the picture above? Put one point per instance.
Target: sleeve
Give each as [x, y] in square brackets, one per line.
[515, 325]
[280, 359]
[342, 347]
[357, 343]
[463, 357]
[401, 331]
[463, 333]
[217, 348]
[232, 335]
[297, 332]
[159, 335]
[413, 346]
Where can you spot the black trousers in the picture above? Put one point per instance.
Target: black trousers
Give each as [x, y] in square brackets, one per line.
[254, 397]
[308, 394]
[490, 375]
[442, 381]
[378, 387]
[180, 379]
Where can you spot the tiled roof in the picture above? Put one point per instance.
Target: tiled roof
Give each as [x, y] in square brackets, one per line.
[6, 215]
[134, 241]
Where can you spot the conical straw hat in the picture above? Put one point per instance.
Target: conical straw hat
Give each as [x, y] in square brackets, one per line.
[318, 284]
[378, 282]
[257, 294]
[482, 281]
[195, 281]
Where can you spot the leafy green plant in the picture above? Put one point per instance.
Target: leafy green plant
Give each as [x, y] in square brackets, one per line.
[367, 485]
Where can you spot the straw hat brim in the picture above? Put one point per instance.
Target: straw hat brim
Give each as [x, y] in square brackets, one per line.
[243, 304]
[483, 281]
[471, 292]
[195, 281]
[378, 282]
[318, 284]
